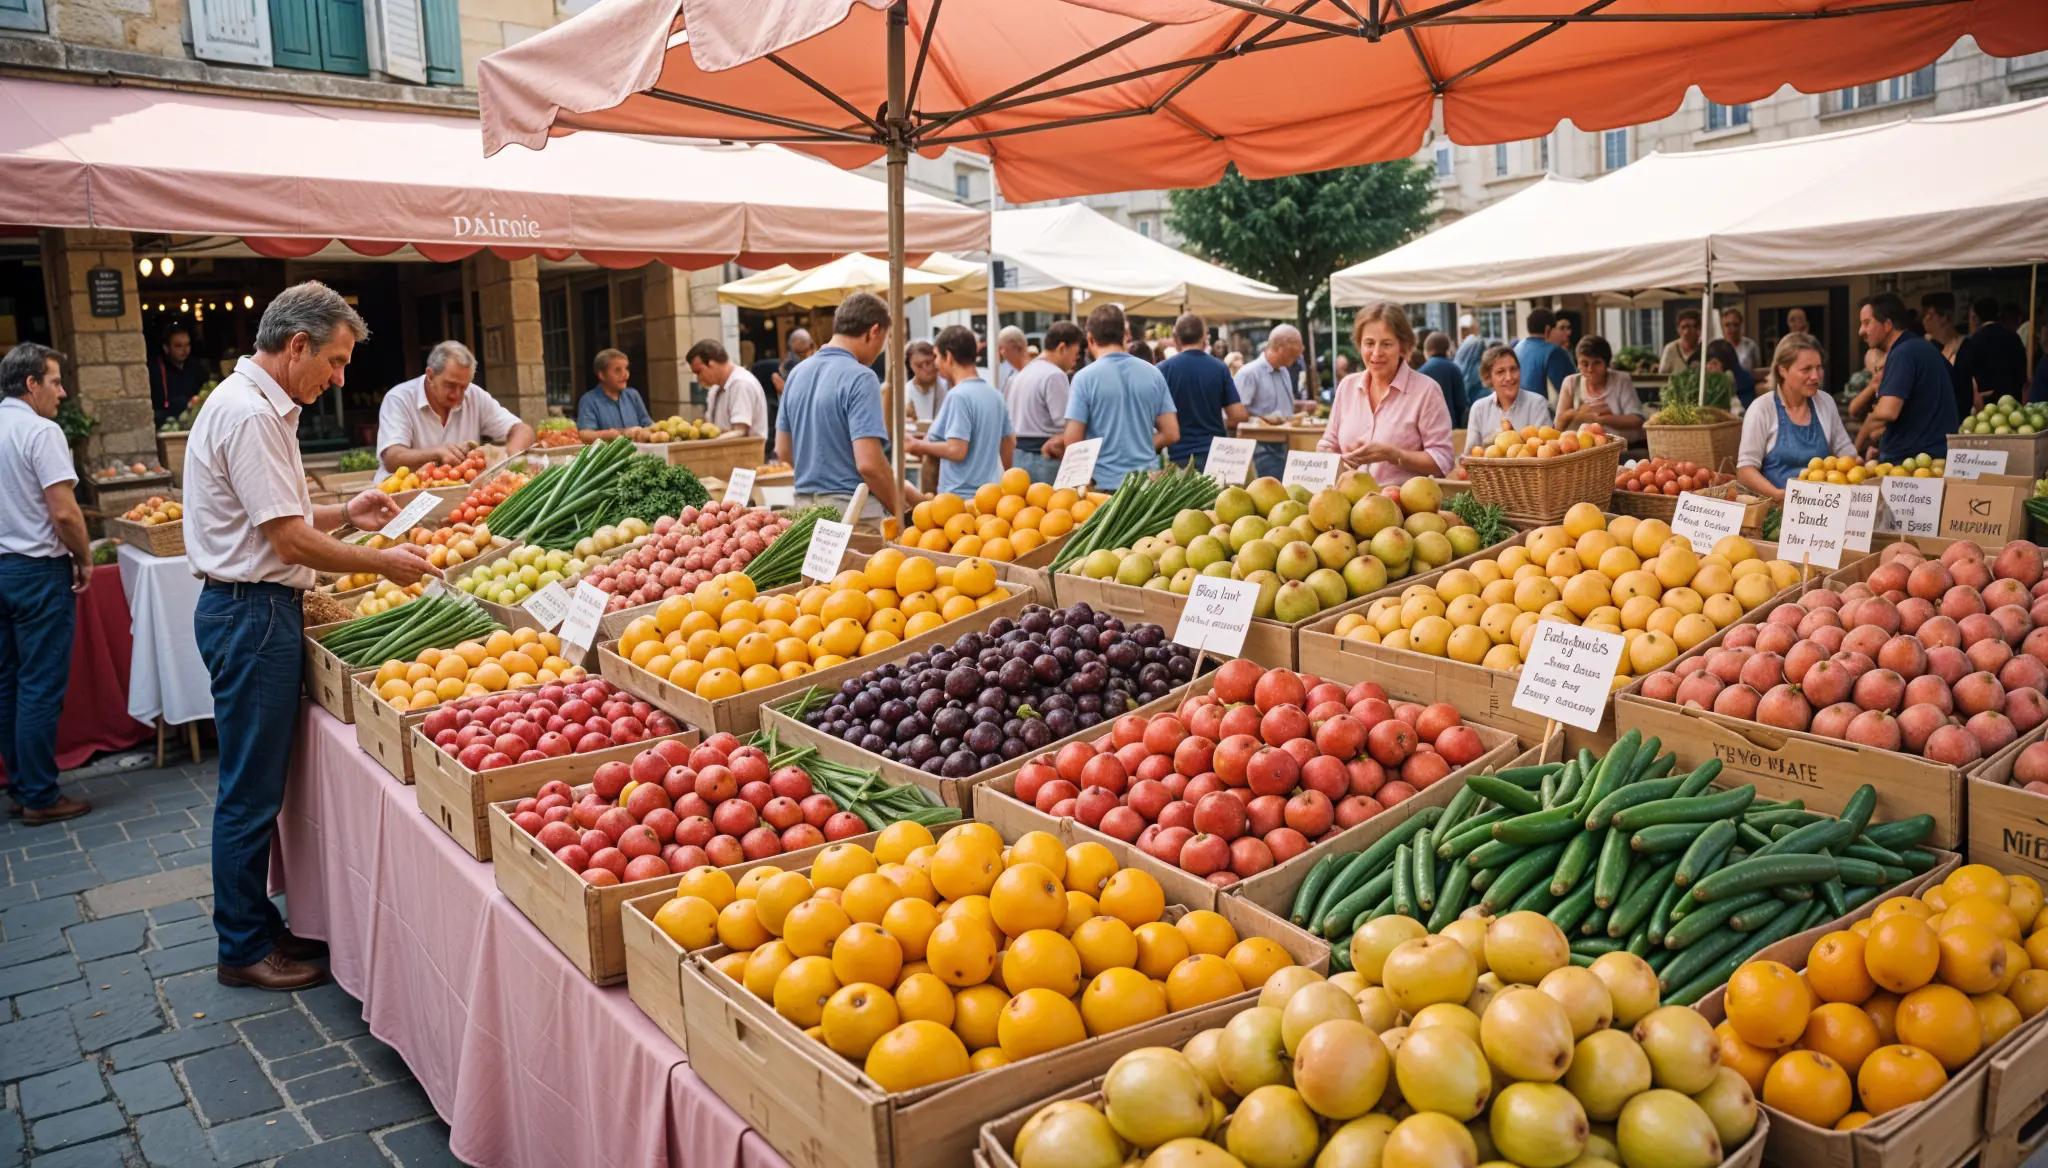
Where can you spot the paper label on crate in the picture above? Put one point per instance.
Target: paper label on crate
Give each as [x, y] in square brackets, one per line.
[409, 516]
[586, 605]
[782, 495]
[1314, 469]
[1569, 676]
[1230, 459]
[1217, 614]
[1815, 525]
[1914, 504]
[1968, 464]
[739, 485]
[1077, 465]
[828, 547]
[1864, 502]
[549, 606]
[1704, 520]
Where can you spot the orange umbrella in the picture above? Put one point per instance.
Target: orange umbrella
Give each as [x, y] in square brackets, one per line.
[1074, 96]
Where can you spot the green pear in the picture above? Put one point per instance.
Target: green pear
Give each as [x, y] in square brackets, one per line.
[1329, 509]
[1365, 575]
[1287, 512]
[1100, 565]
[1189, 525]
[1373, 514]
[1204, 551]
[1433, 549]
[1335, 548]
[1356, 485]
[1247, 529]
[1421, 493]
[1267, 493]
[1296, 561]
[1233, 504]
[1257, 556]
[1329, 587]
[1135, 569]
[1295, 601]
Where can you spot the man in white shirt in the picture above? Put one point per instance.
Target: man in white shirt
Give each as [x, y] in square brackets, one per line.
[1037, 397]
[45, 558]
[736, 403]
[439, 415]
[1013, 352]
[253, 534]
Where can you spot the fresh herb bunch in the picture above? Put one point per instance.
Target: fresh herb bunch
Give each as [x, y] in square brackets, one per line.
[649, 488]
[1488, 519]
[358, 459]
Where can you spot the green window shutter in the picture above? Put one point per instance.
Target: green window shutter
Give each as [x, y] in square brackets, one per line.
[295, 34]
[344, 47]
[444, 41]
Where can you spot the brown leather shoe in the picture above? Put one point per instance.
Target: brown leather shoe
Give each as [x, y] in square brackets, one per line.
[300, 948]
[275, 972]
[64, 808]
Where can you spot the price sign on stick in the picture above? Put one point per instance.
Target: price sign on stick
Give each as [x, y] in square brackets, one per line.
[1705, 520]
[1229, 460]
[1915, 504]
[549, 606]
[1862, 515]
[1313, 469]
[739, 485]
[579, 627]
[1216, 615]
[1816, 524]
[1968, 464]
[409, 516]
[828, 548]
[1077, 465]
[1569, 676]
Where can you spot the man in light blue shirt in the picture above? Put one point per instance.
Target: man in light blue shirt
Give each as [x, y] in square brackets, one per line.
[830, 426]
[1544, 365]
[1266, 387]
[1121, 400]
[971, 437]
[611, 405]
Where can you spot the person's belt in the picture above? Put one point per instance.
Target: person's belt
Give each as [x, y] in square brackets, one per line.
[241, 588]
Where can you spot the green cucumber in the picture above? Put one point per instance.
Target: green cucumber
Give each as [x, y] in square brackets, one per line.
[1701, 777]
[1568, 912]
[1527, 777]
[1642, 895]
[1858, 809]
[1765, 872]
[1685, 809]
[1540, 827]
[1312, 886]
[1901, 833]
[1425, 872]
[1705, 853]
[1451, 895]
[1572, 866]
[1603, 812]
[1710, 918]
[1404, 882]
[1611, 868]
[1516, 878]
[1506, 794]
[1662, 838]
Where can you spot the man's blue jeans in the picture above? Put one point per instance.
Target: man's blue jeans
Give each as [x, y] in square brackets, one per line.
[249, 637]
[1269, 460]
[37, 615]
[1033, 462]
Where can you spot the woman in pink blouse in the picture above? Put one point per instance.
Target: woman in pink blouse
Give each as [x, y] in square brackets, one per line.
[1389, 420]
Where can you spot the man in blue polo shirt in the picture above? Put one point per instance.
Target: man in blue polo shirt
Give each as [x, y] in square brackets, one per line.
[1544, 365]
[612, 405]
[830, 426]
[1203, 393]
[1121, 400]
[1915, 411]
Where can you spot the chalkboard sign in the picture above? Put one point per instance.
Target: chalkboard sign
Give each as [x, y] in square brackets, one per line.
[103, 288]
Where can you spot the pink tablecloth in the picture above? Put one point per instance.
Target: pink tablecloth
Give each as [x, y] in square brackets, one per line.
[528, 1062]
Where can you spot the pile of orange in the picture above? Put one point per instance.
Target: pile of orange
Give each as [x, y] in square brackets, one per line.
[925, 959]
[507, 659]
[723, 640]
[1004, 520]
[1888, 1009]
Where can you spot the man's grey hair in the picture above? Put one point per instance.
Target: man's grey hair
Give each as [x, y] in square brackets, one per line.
[447, 353]
[311, 308]
[1282, 336]
[1011, 335]
[800, 341]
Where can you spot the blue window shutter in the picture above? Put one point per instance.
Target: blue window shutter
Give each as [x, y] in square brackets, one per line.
[344, 46]
[295, 34]
[444, 41]
[22, 14]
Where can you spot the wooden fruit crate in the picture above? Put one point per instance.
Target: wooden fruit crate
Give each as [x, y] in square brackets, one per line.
[458, 800]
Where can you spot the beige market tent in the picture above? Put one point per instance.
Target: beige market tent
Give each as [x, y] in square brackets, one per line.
[1952, 191]
[835, 280]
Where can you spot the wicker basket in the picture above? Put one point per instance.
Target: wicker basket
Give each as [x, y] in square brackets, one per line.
[164, 539]
[1657, 505]
[1541, 490]
[1709, 444]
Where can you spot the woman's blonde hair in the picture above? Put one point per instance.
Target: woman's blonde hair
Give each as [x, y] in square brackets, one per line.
[1388, 314]
[1788, 351]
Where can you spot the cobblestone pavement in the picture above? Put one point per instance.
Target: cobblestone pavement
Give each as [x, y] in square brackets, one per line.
[118, 1047]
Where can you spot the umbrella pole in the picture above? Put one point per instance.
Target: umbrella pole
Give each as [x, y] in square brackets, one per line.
[898, 164]
[2033, 313]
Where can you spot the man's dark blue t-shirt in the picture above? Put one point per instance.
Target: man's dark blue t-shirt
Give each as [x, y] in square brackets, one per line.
[1201, 387]
[1445, 372]
[1916, 373]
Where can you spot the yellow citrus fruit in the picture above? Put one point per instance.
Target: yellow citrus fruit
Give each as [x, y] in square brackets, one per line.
[975, 1010]
[1973, 958]
[1897, 1076]
[689, 921]
[1978, 880]
[1809, 1086]
[2029, 992]
[1207, 932]
[867, 896]
[1841, 1031]
[1199, 980]
[1767, 1004]
[707, 883]
[961, 951]
[740, 927]
[1120, 997]
[1751, 1062]
[732, 965]
[1996, 1016]
[1038, 1020]
[964, 868]
[1104, 942]
[1160, 948]
[916, 1054]
[866, 952]
[911, 922]
[898, 840]
[764, 965]
[1089, 867]
[1027, 896]
[811, 927]
[803, 988]
[1940, 1020]
[1835, 970]
[776, 895]
[856, 1016]
[1133, 897]
[1901, 953]
[1081, 908]
[1981, 910]
[923, 995]
[1042, 959]
[1038, 847]
[1256, 959]
[839, 863]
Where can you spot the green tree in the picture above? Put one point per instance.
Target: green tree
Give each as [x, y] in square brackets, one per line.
[1293, 232]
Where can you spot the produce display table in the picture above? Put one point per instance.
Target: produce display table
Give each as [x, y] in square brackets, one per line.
[166, 677]
[527, 1061]
[94, 719]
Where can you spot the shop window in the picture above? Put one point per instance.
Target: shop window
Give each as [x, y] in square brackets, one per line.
[1444, 173]
[1917, 84]
[417, 40]
[555, 349]
[26, 15]
[1543, 154]
[1727, 117]
[1614, 149]
[1500, 159]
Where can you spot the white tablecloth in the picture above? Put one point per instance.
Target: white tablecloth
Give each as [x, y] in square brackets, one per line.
[166, 676]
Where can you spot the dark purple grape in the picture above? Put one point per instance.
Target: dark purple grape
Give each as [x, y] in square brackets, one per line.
[873, 743]
[1122, 655]
[951, 722]
[991, 759]
[929, 701]
[1089, 719]
[984, 738]
[894, 710]
[960, 764]
[1088, 703]
[1046, 669]
[935, 765]
[1012, 747]
[1014, 674]
[1061, 722]
[920, 749]
[1036, 733]
[865, 704]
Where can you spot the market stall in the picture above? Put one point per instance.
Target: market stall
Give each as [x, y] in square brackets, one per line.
[167, 680]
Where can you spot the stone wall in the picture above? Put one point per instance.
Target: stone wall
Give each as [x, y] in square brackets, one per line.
[152, 27]
[682, 309]
[108, 368]
[510, 320]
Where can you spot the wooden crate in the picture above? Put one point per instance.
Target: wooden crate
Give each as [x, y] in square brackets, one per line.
[2025, 454]
[1032, 569]
[2008, 825]
[113, 496]
[458, 799]
[383, 730]
[170, 451]
[718, 457]
[654, 965]
[819, 1111]
[329, 680]
[1267, 641]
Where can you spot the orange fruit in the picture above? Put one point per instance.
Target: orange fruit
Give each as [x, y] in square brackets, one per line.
[708, 883]
[963, 868]
[916, 1054]
[802, 990]
[1981, 910]
[1160, 948]
[1038, 1020]
[866, 952]
[911, 922]
[856, 1016]
[1853, 1120]
[811, 927]
[1897, 1076]
[1977, 880]
[1027, 896]
[689, 921]
[961, 951]
[2029, 992]
[1038, 847]
[1940, 1020]
[1973, 957]
[740, 927]
[1883, 1009]
[764, 965]
[988, 1058]
[749, 883]
[1089, 867]
[1768, 1004]
[868, 896]
[1199, 980]
[1901, 953]
[2016, 963]
[1255, 959]
[975, 1010]
[923, 995]
[1996, 1016]
[1835, 969]
[839, 863]
[1809, 1086]
[1841, 1031]
[1133, 897]
[1751, 1062]
[1120, 997]
[1104, 943]
[898, 840]
[1081, 908]
[732, 965]
[1042, 959]
[1207, 932]
[911, 882]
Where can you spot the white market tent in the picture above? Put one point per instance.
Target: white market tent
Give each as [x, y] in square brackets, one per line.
[833, 281]
[1958, 190]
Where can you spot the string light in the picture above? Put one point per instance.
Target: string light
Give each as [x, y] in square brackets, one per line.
[146, 266]
[169, 265]
[248, 301]
[184, 306]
